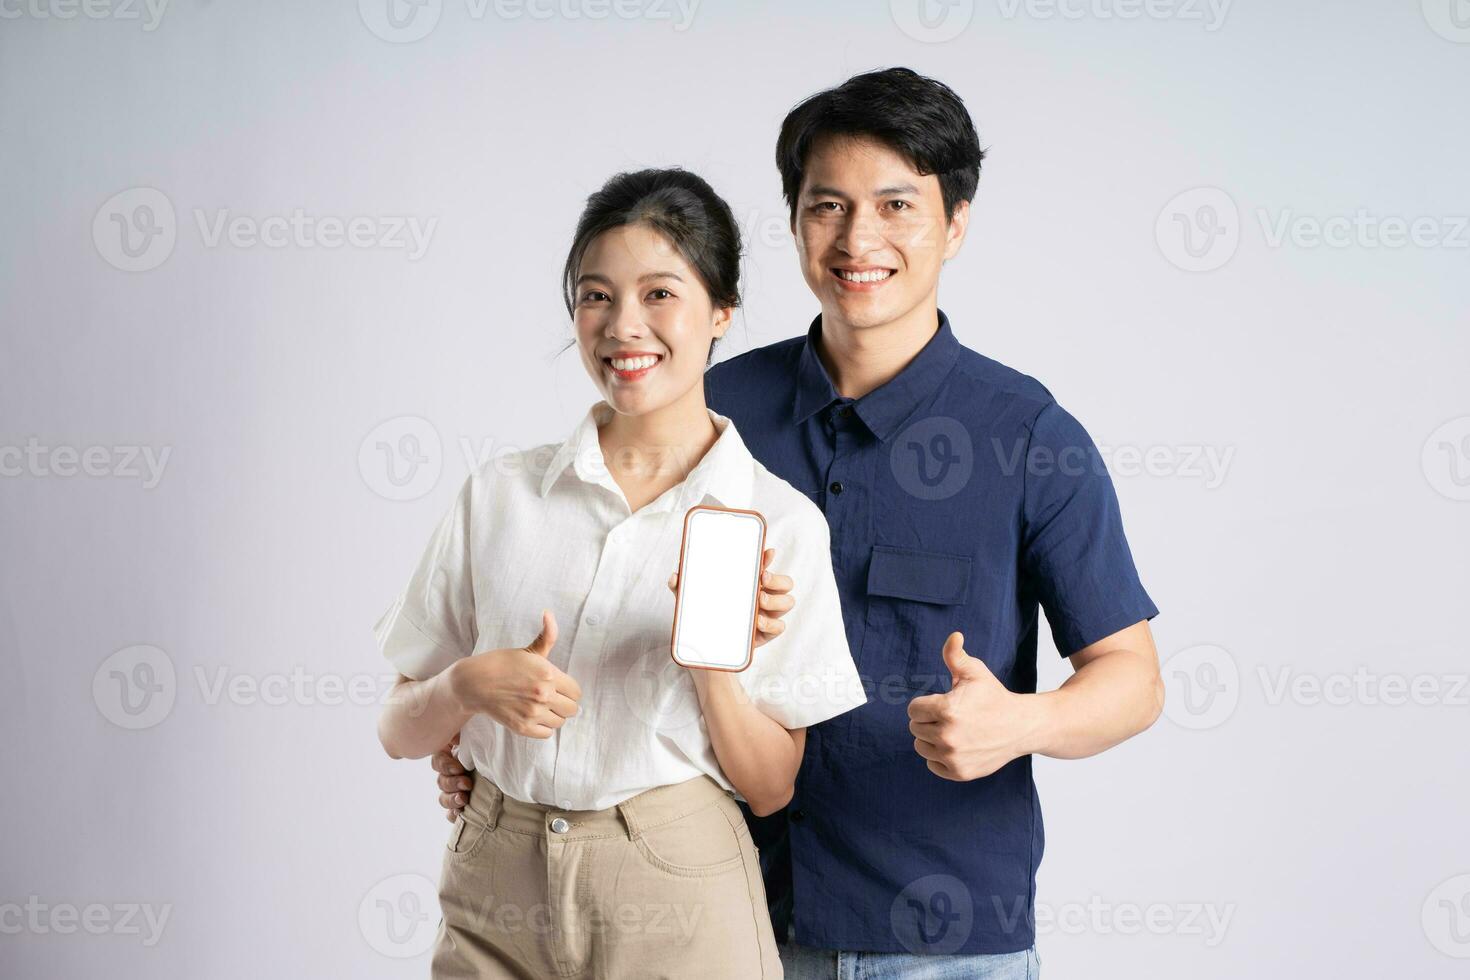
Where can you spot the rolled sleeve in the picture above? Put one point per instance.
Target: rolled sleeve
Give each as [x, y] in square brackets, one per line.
[431, 623]
[1073, 550]
[806, 674]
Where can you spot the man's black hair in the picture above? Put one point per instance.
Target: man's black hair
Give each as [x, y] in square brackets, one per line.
[920, 118]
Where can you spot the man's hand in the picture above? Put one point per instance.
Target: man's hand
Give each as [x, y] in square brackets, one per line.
[975, 727]
[775, 600]
[455, 783]
[519, 688]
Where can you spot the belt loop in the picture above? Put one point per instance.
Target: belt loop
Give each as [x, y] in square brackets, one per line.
[495, 805]
[630, 819]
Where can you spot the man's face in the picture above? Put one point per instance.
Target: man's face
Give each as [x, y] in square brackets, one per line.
[871, 232]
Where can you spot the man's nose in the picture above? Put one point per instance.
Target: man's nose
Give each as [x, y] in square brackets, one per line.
[859, 234]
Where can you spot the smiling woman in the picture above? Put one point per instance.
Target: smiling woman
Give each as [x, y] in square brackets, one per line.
[597, 750]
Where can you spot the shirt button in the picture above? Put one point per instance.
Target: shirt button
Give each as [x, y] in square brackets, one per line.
[593, 619]
[845, 412]
[836, 486]
[560, 826]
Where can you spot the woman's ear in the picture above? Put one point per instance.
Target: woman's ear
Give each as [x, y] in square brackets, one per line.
[724, 316]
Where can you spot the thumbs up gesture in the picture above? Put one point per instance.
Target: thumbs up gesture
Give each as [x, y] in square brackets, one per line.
[975, 727]
[519, 688]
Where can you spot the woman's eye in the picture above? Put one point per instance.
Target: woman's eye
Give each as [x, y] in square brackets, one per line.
[660, 293]
[594, 296]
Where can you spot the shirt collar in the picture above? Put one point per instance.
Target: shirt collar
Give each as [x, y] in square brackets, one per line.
[886, 407]
[726, 473]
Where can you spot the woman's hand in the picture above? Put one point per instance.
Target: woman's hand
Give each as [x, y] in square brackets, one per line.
[519, 688]
[775, 600]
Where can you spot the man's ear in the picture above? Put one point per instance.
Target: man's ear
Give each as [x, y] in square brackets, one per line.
[954, 232]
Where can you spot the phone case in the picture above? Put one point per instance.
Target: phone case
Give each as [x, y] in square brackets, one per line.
[679, 602]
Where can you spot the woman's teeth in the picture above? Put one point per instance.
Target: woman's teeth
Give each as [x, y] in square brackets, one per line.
[633, 363]
[873, 275]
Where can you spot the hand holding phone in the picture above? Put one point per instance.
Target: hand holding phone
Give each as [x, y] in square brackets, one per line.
[719, 586]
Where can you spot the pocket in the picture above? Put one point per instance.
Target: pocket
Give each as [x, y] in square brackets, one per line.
[913, 602]
[465, 836]
[698, 845]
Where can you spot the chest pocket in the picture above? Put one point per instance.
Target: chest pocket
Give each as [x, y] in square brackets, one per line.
[914, 600]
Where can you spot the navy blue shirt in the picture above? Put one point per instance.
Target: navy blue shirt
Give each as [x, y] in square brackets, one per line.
[960, 496]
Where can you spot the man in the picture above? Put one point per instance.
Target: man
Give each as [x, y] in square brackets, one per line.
[960, 497]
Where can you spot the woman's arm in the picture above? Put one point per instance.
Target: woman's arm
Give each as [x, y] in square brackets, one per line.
[521, 689]
[758, 756]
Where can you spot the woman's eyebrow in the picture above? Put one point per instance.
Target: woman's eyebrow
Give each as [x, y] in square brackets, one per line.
[598, 277]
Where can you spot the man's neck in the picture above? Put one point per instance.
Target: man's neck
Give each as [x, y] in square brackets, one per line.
[861, 360]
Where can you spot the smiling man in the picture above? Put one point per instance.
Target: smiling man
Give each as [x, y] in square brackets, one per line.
[961, 500]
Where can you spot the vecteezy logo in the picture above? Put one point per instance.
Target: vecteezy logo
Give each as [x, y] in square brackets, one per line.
[399, 916]
[1446, 917]
[135, 230]
[932, 21]
[1446, 459]
[1450, 19]
[401, 458]
[1199, 230]
[660, 693]
[1202, 687]
[400, 21]
[933, 458]
[933, 915]
[135, 687]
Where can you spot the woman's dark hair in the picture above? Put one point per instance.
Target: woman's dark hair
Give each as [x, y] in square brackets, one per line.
[919, 117]
[677, 204]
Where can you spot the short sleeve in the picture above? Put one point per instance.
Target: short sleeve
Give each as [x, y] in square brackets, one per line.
[806, 674]
[1074, 555]
[431, 623]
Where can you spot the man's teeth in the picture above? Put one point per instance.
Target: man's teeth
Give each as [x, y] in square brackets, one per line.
[873, 275]
[634, 363]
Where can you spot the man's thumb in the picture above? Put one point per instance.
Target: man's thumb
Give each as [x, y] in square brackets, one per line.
[546, 639]
[961, 665]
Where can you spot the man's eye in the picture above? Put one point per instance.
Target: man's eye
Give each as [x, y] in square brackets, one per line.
[660, 293]
[826, 207]
[900, 205]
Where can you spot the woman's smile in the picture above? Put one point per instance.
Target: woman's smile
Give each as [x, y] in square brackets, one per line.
[633, 366]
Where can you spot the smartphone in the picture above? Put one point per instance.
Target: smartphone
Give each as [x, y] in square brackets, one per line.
[719, 587]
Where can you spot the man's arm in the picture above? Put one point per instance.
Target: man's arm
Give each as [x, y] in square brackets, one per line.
[978, 725]
[1114, 693]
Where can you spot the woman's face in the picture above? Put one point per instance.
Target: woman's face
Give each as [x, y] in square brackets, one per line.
[644, 319]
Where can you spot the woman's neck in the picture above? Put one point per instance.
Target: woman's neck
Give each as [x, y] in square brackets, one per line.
[657, 449]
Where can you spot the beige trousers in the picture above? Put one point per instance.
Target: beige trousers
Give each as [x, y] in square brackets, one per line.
[665, 884]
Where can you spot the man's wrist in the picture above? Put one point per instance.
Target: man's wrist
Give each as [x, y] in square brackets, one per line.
[1040, 713]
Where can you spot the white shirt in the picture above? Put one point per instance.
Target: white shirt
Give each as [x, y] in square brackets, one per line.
[550, 528]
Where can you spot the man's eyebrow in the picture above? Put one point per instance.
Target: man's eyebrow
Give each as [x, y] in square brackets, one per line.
[822, 190]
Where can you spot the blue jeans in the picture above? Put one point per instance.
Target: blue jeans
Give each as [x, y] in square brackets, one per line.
[806, 963]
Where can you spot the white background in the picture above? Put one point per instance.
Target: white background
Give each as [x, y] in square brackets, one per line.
[1329, 837]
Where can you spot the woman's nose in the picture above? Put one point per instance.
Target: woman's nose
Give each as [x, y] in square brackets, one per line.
[626, 322]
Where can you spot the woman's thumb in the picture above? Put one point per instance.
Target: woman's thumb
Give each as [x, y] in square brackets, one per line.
[546, 639]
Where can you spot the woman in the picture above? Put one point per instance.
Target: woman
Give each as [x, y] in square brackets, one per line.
[602, 838]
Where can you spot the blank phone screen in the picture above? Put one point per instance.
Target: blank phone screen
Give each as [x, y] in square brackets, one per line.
[717, 589]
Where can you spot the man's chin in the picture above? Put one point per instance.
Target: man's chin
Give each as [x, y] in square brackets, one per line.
[861, 312]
